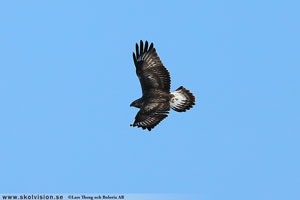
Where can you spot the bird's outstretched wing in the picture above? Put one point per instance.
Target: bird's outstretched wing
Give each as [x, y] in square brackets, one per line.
[149, 68]
[151, 114]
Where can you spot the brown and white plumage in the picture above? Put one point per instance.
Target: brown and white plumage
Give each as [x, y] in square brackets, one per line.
[155, 81]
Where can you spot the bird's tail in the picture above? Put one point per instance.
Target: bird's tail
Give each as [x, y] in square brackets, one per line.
[182, 100]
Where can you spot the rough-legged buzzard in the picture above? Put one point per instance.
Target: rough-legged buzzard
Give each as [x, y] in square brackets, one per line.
[155, 80]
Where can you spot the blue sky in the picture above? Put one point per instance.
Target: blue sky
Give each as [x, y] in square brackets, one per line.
[67, 79]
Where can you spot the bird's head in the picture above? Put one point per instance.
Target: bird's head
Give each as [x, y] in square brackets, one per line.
[137, 103]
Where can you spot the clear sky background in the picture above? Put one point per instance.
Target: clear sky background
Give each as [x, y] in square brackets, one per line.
[67, 79]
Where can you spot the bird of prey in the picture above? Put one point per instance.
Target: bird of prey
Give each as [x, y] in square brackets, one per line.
[155, 81]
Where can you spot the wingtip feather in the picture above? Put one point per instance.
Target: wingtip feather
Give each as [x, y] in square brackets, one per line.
[151, 46]
[146, 46]
[141, 47]
[137, 50]
[134, 59]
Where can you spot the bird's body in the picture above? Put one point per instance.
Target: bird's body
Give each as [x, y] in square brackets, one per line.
[155, 81]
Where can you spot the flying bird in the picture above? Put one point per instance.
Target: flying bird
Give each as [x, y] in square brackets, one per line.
[155, 81]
